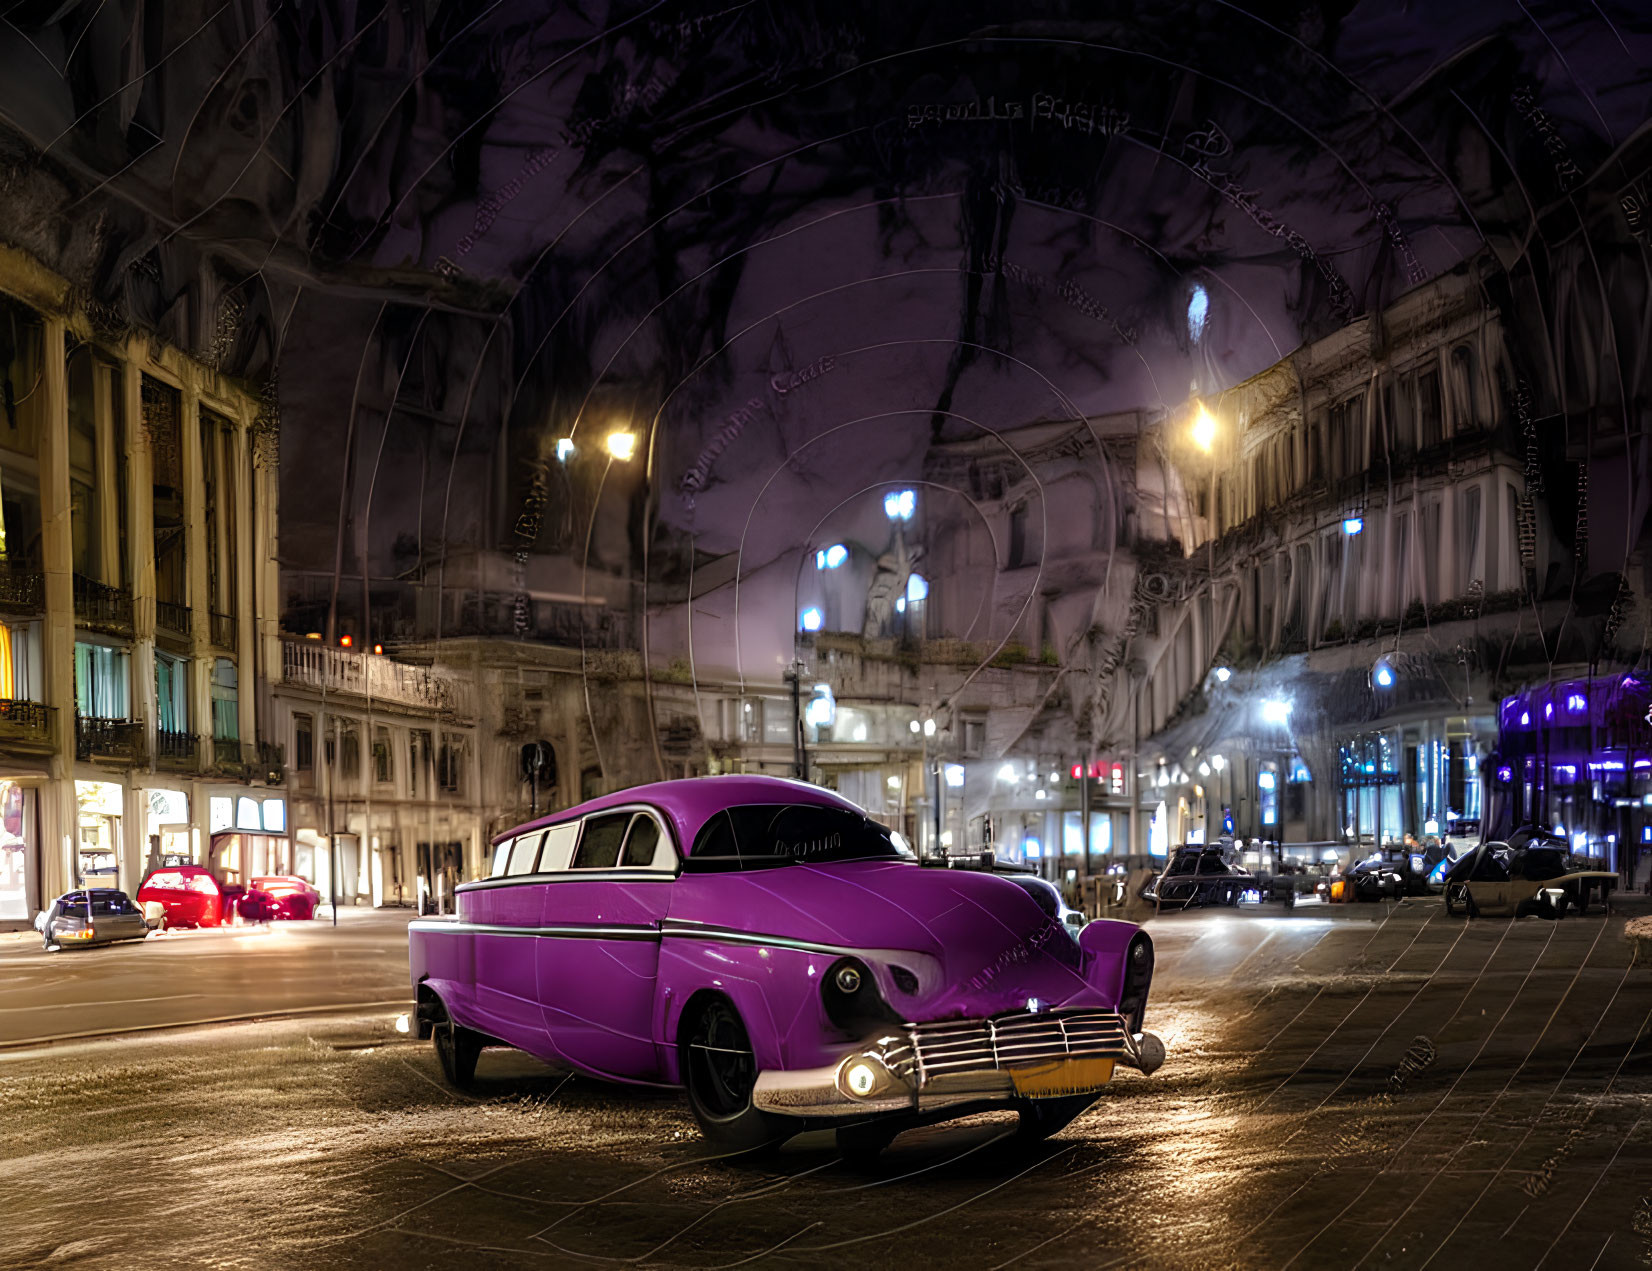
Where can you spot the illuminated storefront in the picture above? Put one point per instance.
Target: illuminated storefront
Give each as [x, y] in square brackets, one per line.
[168, 834]
[249, 837]
[17, 855]
[98, 842]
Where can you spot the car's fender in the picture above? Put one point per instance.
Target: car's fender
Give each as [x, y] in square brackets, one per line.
[1105, 941]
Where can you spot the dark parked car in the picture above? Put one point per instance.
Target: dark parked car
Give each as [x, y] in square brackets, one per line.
[1394, 872]
[1198, 876]
[94, 915]
[1532, 874]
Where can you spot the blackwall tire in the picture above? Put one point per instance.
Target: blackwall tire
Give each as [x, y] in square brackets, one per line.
[457, 1050]
[1459, 901]
[1040, 1118]
[719, 1074]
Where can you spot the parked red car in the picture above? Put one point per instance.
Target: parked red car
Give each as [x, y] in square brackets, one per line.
[192, 897]
[294, 898]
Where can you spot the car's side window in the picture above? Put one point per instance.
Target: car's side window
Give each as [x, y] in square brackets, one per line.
[524, 852]
[501, 855]
[642, 844]
[599, 841]
[559, 847]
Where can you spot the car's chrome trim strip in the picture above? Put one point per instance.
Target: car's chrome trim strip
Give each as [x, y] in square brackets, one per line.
[636, 874]
[570, 932]
[728, 935]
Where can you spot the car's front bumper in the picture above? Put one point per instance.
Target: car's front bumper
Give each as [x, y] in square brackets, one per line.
[952, 1063]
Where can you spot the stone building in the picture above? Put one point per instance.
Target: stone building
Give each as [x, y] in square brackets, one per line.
[1370, 567]
[137, 599]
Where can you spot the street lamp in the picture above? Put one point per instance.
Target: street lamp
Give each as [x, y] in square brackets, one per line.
[622, 445]
[1223, 674]
[564, 448]
[1382, 675]
[1204, 429]
[1352, 525]
[1276, 711]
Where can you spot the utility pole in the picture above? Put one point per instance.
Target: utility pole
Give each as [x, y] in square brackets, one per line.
[1084, 815]
[800, 759]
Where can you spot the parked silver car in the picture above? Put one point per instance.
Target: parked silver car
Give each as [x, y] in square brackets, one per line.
[93, 915]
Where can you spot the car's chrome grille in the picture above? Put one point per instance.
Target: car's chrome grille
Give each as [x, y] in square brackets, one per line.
[938, 1049]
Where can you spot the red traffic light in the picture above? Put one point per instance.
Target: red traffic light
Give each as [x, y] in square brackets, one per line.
[1078, 771]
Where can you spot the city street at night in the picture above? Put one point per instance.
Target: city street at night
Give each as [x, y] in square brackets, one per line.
[826, 634]
[1381, 1086]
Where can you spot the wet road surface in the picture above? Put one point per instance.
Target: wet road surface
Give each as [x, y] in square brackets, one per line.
[185, 977]
[1374, 1088]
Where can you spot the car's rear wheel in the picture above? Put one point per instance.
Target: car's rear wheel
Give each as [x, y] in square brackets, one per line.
[1041, 1118]
[720, 1073]
[457, 1050]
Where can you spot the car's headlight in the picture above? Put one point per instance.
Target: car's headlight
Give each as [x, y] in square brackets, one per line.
[866, 1076]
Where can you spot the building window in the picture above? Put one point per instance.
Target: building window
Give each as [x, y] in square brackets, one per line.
[418, 757]
[303, 743]
[1468, 539]
[101, 687]
[171, 693]
[450, 764]
[1464, 402]
[381, 756]
[1430, 414]
[349, 766]
[1018, 538]
[226, 700]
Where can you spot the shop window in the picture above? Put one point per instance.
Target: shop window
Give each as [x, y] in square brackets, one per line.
[226, 703]
[101, 688]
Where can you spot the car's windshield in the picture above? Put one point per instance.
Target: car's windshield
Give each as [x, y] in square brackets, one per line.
[761, 835]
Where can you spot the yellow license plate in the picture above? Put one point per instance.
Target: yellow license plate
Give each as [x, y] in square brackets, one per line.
[1062, 1076]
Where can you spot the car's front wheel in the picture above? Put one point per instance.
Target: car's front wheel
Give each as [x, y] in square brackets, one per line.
[1459, 901]
[1041, 1118]
[457, 1050]
[720, 1073]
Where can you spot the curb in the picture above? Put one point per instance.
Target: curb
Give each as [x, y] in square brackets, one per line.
[1638, 931]
[254, 1017]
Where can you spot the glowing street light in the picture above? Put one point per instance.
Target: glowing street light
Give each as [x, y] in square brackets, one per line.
[915, 726]
[899, 505]
[1223, 674]
[810, 619]
[955, 775]
[564, 448]
[929, 728]
[1276, 711]
[622, 445]
[1382, 675]
[1204, 429]
[1352, 525]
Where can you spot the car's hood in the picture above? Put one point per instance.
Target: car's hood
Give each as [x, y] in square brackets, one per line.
[985, 944]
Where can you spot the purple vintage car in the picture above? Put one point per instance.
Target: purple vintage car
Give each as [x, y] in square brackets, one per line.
[765, 945]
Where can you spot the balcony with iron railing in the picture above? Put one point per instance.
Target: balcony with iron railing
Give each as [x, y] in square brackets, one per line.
[102, 607]
[173, 617]
[310, 664]
[223, 631]
[22, 587]
[272, 762]
[226, 754]
[116, 739]
[25, 726]
[175, 749]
